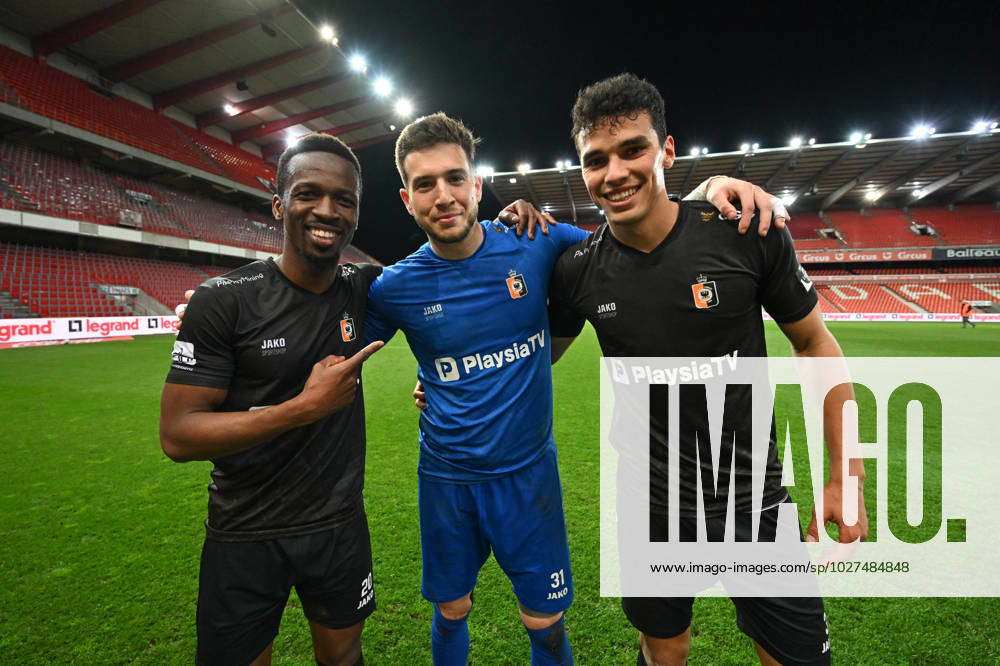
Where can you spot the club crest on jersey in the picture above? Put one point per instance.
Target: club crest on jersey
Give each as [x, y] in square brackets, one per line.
[705, 293]
[347, 332]
[516, 285]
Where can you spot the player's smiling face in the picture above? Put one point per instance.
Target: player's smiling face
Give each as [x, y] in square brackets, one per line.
[622, 161]
[441, 192]
[319, 208]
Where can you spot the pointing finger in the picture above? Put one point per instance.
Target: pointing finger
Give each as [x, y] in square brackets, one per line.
[363, 355]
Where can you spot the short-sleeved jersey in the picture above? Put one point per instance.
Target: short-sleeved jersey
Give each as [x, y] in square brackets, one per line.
[479, 330]
[256, 334]
[699, 293]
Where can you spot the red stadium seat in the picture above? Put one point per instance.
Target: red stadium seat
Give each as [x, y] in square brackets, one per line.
[879, 228]
[974, 224]
[35, 86]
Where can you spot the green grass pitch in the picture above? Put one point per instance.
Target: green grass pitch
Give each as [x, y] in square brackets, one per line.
[101, 534]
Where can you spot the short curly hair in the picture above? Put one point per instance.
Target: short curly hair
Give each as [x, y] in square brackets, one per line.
[622, 96]
[313, 143]
[429, 131]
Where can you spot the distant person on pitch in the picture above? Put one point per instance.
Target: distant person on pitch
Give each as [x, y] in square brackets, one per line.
[966, 310]
[702, 287]
[265, 382]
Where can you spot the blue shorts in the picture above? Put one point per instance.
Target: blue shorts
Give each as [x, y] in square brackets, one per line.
[518, 516]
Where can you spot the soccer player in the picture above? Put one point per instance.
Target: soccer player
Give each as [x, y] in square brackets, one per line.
[265, 383]
[702, 288]
[472, 305]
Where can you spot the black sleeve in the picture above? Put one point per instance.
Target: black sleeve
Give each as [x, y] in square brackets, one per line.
[564, 320]
[369, 272]
[204, 354]
[786, 291]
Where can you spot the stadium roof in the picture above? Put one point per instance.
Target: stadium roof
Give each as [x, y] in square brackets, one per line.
[937, 169]
[264, 58]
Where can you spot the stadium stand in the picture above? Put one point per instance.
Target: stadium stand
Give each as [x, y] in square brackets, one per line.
[817, 244]
[806, 225]
[47, 91]
[946, 297]
[57, 282]
[829, 271]
[879, 228]
[53, 282]
[239, 165]
[37, 181]
[861, 297]
[970, 269]
[973, 224]
[894, 270]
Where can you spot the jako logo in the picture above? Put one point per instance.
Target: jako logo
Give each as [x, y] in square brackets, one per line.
[184, 353]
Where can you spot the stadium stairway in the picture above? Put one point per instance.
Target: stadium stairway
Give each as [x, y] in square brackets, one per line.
[11, 308]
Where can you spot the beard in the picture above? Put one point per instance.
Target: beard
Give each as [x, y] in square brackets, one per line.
[463, 232]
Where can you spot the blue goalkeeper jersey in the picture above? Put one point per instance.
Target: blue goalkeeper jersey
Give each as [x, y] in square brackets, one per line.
[479, 329]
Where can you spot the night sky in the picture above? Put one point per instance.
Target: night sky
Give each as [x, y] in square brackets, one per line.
[729, 73]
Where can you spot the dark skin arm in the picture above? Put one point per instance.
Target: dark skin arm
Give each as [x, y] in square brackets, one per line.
[191, 429]
[522, 215]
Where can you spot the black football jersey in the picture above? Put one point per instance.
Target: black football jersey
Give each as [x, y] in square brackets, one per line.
[256, 334]
[698, 294]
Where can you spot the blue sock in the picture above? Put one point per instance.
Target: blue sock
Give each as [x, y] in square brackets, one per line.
[550, 645]
[449, 640]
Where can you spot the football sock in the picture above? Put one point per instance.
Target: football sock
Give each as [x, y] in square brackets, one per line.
[640, 660]
[449, 640]
[550, 645]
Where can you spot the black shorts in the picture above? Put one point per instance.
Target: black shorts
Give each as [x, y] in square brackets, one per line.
[793, 630]
[244, 586]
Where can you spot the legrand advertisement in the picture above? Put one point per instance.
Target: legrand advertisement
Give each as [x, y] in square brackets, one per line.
[23, 332]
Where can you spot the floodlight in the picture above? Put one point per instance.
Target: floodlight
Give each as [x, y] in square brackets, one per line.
[523, 167]
[230, 109]
[484, 171]
[357, 63]
[744, 147]
[326, 32]
[404, 107]
[754, 146]
[795, 142]
[695, 151]
[704, 151]
[382, 86]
